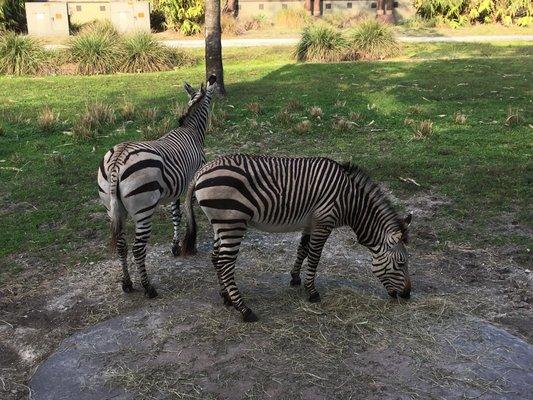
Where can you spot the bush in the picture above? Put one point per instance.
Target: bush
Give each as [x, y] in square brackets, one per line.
[292, 18]
[320, 43]
[372, 40]
[104, 27]
[96, 52]
[183, 15]
[12, 15]
[144, 53]
[21, 55]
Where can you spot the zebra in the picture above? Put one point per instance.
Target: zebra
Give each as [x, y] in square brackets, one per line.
[134, 177]
[283, 194]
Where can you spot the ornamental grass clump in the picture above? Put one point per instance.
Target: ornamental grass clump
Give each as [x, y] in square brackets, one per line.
[96, 52]
[321, 43]
[372, 40]
[21, 55]
[142, 52]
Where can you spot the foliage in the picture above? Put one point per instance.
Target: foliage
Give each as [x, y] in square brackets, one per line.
[95, 52]
[99, 27]
[320, 43]
[21, 55]
[372, 40]
[461, 12]
[144, 53]
[12, 15]
[183, 15]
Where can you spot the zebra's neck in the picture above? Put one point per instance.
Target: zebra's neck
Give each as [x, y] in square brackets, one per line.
[371, 215]
[197, 120]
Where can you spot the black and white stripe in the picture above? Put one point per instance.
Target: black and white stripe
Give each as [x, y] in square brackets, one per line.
[281, 194]
[135, 177]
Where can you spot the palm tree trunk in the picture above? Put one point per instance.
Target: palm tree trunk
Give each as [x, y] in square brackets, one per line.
[213, 45]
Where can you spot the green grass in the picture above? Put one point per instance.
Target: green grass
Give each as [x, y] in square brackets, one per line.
[48, 195]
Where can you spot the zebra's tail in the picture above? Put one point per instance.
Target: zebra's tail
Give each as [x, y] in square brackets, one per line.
[188, 243]
[116, 210]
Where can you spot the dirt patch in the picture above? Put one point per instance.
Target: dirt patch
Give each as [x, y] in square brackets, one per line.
[356, 342]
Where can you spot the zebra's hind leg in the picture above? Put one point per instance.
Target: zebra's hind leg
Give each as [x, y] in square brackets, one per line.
[176, 219]
[316, 244]
[122, 249]
[143, 229]
[301, 255]
[214, 259]
[227, 255]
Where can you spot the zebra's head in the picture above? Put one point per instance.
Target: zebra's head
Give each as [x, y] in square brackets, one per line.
[390, 262]
[196, 95]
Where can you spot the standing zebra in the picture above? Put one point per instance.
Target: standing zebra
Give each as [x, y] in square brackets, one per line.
[134, 177]
[282, 194]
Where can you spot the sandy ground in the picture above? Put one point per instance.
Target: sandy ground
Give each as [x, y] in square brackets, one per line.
[466, 332]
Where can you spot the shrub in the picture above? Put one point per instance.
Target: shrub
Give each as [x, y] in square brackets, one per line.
[183, 15]
[144, 53]
[95, 118]
[320, 43]
[104, 27]
[372, 40]
[21, 55]
[292, 18]
[95, 52]
[12, 15]
[47, 121]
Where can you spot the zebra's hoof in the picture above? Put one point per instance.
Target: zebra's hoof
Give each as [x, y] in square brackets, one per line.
[127, 287]
[176, 250]
[314, 298]
[150, 292]
[249, 316]
[296, 281]
[226, 299]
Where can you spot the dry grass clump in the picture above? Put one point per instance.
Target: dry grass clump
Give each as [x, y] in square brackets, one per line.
[284, 117]
[292, 18]
[217, 118]
[459, 118]
[340, 124]
[48, 120]
[178, 109]
[293, 105]
[408, 121]
[238, 26]
[355, 116]
[316, 112]
[422, 129]
[254, 107]
[95, 118]
[57, 159]
[415, 110]
[303, 127]
[149, 115]
[127, 111]
[513, 116]
[156, 129]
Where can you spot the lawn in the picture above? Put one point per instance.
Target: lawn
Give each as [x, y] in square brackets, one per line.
[453, 118]
[48, 195]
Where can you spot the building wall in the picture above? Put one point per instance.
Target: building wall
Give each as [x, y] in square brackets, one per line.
[82, 12]
[352, 7]
[269, 8]
[47, 19]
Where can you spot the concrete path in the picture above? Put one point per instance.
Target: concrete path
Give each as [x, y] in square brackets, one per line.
[258, 42]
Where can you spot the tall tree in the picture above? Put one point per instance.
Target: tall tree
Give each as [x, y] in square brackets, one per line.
[213, 43]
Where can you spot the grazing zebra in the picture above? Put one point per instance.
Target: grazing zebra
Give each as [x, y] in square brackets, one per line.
[282, 194]
[134, 177]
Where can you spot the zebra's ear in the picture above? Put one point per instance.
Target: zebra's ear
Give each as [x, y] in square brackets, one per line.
[407, 219]
[189, 89]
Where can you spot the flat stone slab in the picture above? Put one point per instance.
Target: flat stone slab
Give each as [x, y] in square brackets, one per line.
[86, 365]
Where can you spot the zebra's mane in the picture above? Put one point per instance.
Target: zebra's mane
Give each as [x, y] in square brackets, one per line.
[186, 114]
[363, 181]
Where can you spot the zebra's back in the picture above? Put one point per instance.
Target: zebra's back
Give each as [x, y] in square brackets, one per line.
[271, 193]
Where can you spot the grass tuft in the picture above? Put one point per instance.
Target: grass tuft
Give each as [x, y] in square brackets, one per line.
[254, 107]
[156, 129]
[92, 122]
[513, 117]
[316, 112]
[459, 118]
[21, 55]
[47, 121]
[422, 129]
[340, 124]
[321, 43]
[303, 127]
[415, 110]
[127, 111]
[372, 40]
[292, 18]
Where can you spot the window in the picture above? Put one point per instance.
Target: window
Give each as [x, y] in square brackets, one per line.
[102, 8]
[395, 4]
[373, 5]
[348, 5]
[261, 6]
[78, 8]
[284, 6]
[328, 6]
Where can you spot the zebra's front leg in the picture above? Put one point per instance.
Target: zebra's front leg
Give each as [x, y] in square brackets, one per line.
[176, 220]
[301, 255]
[142, 234]
[214, 259]
[227, 255]
[316, 244]
[122, 249]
